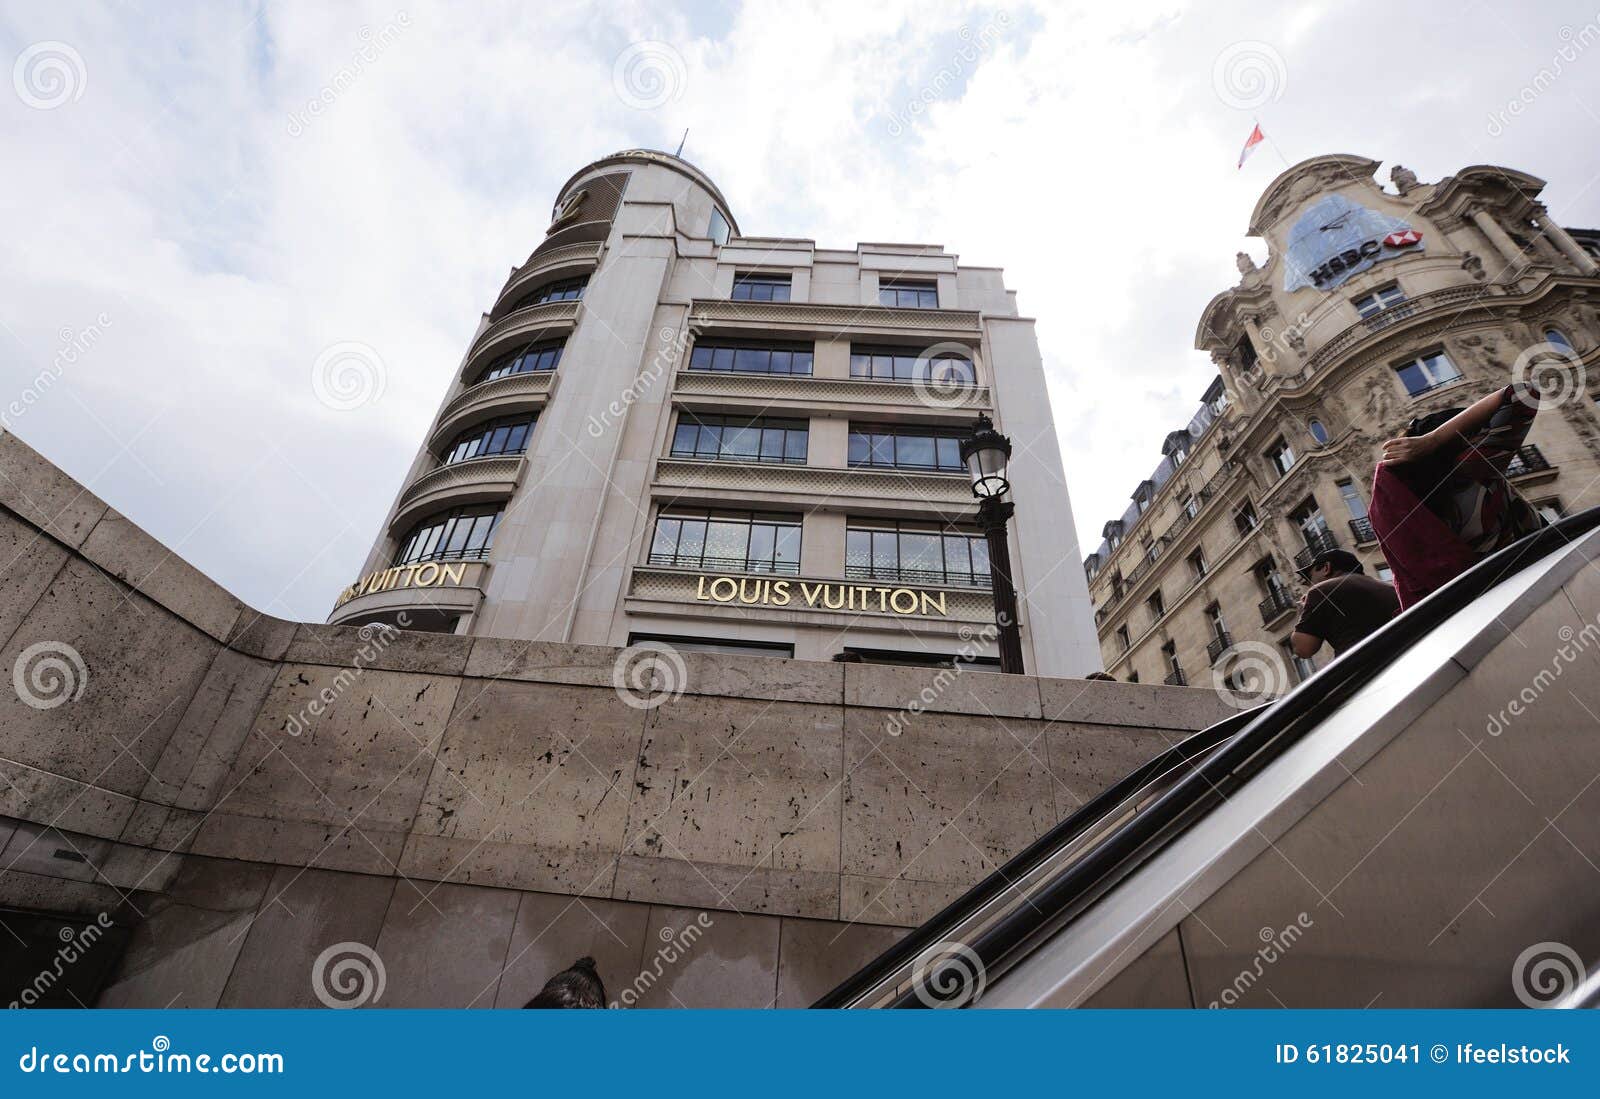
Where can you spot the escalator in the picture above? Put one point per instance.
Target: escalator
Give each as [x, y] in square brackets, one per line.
[1418, 824]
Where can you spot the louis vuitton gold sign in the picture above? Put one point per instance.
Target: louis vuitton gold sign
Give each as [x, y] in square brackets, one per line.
[429, 575]
[760, 592]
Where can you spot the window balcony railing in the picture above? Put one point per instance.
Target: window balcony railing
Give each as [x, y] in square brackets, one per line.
[917, 576]
[724, 564]
[1361, 530]
[1317, 541]
[480, 554]
[1528, 459]
[1275, 606]
[1220, 644]
[1176, 678]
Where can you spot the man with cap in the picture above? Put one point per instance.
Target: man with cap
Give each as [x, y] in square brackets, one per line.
[1342, 606]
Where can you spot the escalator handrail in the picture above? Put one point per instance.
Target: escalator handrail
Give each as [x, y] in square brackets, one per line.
[1025, 862]
[1265, 737]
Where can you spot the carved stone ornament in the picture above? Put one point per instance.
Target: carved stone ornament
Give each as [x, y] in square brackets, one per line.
[1403, 178]
[1245, 263]
[1473, 266]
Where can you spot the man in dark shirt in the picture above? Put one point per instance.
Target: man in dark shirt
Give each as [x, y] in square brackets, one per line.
[1342, 606]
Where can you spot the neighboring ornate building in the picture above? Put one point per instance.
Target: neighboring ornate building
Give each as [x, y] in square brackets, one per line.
[1373, 307]
[667, 431]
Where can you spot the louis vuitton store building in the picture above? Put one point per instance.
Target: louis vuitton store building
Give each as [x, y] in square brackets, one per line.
[666, 431]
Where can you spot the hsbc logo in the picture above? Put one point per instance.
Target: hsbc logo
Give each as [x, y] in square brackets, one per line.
[1348, 262]
[1336, 238]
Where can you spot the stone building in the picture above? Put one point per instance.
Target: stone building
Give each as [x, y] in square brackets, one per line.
[1375, 305]
[664, 430]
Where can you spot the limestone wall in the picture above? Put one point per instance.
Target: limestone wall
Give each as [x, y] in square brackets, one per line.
[247, 792]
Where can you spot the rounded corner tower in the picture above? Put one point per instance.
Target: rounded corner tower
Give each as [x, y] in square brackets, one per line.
[665, 431]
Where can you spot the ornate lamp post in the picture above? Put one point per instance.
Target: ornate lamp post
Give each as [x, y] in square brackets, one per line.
[986, 454]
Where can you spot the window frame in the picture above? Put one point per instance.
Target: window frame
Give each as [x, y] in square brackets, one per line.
[488, 428]
[919, 290]
[703, 425]
[885, 532]
[447, 523]
[866, 360]
[504, 366]
[770, 281]
[1420, 363]
[1383, 298]
[946, 458]
[704, 357]
[766, 564]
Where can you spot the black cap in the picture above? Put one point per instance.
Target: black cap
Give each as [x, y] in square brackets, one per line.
[1341, 560]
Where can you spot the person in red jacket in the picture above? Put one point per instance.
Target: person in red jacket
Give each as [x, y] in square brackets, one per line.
[1440, 499]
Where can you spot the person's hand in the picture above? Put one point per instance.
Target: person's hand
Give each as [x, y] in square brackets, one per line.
[1409, 449]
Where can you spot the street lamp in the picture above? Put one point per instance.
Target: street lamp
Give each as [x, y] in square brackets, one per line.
[986, 454]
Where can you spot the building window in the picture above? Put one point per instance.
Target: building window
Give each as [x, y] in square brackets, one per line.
[1197, 562]
[1427, 372]
[1244, 519]
[1280, 456]
[1384, 297]
[1352, 499]
[563, 290]
[1319, 434]
[1246, 351]
[1190, 504]
[908, 293]
[1123, 639]
[752, 358]
[1133, 677]
[1557, 339]
[906, 447]
[748, 286]
[541, 356]
[1384, 573]
[727, 541]
[915, 553]
[901, 364]
[718, 230]
[1169, 657]
[503, 436]
[1148, 545]
[1141, 497]
[1157, 605]
[1313, 526]
[1304, 667]
[461, 534]
[740, 439]
[1550, 510]
[1214, 620]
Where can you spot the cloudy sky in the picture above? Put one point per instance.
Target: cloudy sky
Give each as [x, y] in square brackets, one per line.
[197, 205]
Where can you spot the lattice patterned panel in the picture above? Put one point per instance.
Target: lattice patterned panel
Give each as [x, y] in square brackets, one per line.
[944, 490]
[817, 391]
[488, 474]
[544, 261]
[867, 318]
[532, 385]
[524, 324]
[679, 586]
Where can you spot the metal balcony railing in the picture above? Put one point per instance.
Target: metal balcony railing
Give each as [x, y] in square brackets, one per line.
[1176, 678]
[1220, 644]
[904, 575]
[724, 564]
[1275, 606]
[1528, 459]
[1317, 541]
[1361, 530]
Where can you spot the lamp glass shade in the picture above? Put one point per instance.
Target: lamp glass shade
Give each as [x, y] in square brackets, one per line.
[986, 465]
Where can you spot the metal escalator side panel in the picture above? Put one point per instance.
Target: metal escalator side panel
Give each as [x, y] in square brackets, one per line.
[1182, 871]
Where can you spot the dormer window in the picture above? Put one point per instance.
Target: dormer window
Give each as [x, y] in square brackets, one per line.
[1142, 496]
[1176, 447]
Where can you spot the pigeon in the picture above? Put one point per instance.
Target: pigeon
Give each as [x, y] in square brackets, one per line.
[577, 987]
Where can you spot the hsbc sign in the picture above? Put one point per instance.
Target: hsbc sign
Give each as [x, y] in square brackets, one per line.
[1336, 238]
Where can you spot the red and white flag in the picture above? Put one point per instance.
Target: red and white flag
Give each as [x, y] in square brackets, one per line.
[1256, 137]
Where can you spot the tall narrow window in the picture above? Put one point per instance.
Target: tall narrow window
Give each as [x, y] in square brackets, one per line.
[1280, 456]
[718, 230]
[1123, 639]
